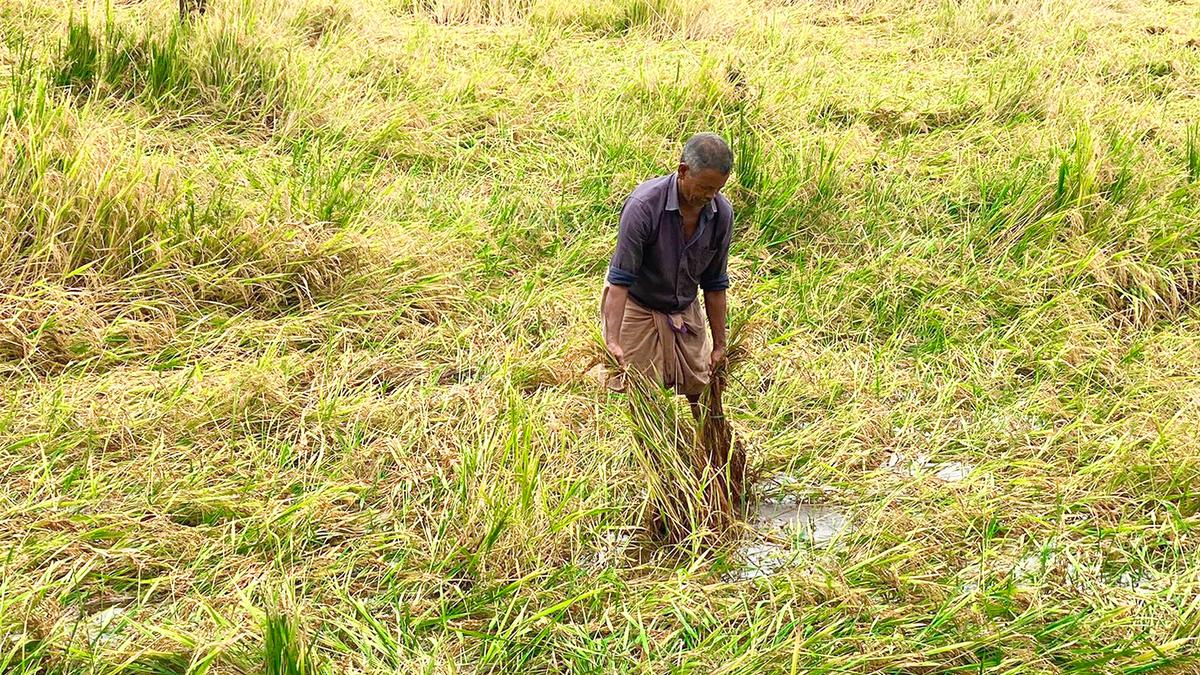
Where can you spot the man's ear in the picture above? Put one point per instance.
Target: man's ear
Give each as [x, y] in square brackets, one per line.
[682, 170]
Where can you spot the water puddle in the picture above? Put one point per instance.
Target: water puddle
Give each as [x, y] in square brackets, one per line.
[1034, 568]
[920, 466]
[783, 526]
[952, 472]
[612, 550]
[781, 529]
[97, 630]
[813, 523]
[762, 559]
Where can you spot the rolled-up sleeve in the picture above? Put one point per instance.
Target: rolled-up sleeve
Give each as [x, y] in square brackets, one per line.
[626, 261]
[716, 276]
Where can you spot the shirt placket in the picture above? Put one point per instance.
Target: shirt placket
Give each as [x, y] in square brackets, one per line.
[684, 264]
[681, 251]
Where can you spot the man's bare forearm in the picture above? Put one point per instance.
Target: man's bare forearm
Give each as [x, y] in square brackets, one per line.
[614, 313]
[715, 308]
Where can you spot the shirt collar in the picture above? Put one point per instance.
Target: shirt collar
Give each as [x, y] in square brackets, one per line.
[673, 197]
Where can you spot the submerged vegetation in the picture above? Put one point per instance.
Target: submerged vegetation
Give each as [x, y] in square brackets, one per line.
[297, 299]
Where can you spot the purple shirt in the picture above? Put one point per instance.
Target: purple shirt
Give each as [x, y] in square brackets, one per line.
[662, 270]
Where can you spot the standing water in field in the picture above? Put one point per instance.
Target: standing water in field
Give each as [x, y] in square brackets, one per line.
[813, 523]
[921, 466]
[782, 527]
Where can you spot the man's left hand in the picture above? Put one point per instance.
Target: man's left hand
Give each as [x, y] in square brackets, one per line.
[718, 355]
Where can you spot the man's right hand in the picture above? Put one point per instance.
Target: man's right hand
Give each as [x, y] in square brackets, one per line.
[617, 352]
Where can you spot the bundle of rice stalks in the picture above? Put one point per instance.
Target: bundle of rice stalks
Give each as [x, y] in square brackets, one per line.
[694, 468]
[724, 454]
[678, 480]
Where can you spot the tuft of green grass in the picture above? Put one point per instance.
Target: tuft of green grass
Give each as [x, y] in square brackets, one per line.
[785, 192]
[186, 69]
[1192, 151]
[662, 15]
[286, 650]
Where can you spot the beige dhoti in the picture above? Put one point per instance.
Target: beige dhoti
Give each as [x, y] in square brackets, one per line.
[672, 348]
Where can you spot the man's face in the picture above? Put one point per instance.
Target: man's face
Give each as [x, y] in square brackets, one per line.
[697, 188]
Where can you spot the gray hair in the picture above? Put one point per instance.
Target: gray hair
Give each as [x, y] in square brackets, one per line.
[708, 151]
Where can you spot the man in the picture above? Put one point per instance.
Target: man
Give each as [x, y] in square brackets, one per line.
[673, 240]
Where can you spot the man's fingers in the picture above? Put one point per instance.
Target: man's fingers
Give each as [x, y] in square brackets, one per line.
[618, 354]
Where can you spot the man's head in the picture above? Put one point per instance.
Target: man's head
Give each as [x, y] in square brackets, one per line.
[703, 169]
